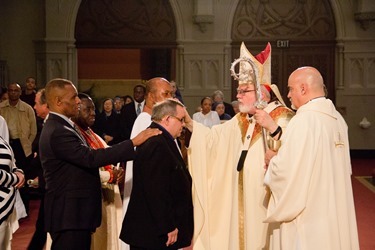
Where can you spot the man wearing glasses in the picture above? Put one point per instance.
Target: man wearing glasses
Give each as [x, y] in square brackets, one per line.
[158, 89]
[160, 211]
[227, 167]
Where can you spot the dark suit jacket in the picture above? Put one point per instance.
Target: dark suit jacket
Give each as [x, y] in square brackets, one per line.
[73, 191]
[129, 116]
[161, 196]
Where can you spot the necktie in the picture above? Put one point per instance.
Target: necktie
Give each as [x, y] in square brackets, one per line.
[138, 109]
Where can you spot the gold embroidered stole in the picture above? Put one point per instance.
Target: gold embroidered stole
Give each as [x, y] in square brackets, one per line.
[276, 111]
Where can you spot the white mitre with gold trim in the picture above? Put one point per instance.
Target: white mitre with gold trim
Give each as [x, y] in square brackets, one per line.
[257, 68]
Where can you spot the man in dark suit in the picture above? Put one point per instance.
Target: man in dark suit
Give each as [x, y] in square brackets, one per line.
[133, 109]
[160, 211]
[40, 235]
[73, 190]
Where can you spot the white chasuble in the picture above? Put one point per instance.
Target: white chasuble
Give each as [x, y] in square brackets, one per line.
[310, 181]
[213, 157]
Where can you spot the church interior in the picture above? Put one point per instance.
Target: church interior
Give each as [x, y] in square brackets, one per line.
[107, 47]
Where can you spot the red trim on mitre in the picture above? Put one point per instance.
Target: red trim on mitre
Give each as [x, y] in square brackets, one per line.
[268, 87]
[263, 56]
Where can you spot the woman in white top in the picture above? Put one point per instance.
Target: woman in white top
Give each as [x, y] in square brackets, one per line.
[206, 116]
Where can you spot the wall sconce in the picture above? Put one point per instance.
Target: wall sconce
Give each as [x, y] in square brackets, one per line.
[365, 124]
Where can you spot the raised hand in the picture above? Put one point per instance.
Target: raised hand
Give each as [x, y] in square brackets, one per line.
[265, 120]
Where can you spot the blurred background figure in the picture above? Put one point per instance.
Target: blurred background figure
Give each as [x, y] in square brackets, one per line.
[20, 118]
[176, 92]
[118, 104]
[127, 99]
[220, 110]
[235, 106]
[206, 116]
[4, 94]
[28, 94]
[107, 124]
[133, 109]
[218, 96]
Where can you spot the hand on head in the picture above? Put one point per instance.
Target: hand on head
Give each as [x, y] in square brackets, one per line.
[188, 121]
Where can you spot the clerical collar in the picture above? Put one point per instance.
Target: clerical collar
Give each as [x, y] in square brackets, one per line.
[317, 98]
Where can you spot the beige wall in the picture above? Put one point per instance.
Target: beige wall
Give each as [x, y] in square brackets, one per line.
[21, 22]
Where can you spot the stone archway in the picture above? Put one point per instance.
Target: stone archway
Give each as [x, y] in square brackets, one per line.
[137, 40]
[125, 24]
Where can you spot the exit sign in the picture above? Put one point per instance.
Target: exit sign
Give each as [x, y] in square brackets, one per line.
[282, 43]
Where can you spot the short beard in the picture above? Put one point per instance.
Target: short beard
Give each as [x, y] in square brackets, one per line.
[244, 109]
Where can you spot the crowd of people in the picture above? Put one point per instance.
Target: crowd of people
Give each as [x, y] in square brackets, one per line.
[244, 177]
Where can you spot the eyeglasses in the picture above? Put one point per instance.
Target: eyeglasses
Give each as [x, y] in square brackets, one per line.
[182, 120]
[243, 92]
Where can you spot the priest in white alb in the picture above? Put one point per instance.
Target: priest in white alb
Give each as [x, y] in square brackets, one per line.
[309, 177]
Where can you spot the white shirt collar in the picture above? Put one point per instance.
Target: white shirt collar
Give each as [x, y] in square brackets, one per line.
[64, 117]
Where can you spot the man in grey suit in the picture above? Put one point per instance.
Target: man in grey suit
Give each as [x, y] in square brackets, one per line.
[73, 190]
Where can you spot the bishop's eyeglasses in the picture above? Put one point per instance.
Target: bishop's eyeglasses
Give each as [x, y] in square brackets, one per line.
[243, 92]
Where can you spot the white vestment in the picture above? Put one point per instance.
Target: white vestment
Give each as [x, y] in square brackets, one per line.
[210, 119]
[107, 234]
[142, 122]
[213, 157]
[310, 182]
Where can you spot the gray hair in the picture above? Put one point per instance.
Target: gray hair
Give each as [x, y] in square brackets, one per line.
[164, 108]
[43, 99]
[218, 93]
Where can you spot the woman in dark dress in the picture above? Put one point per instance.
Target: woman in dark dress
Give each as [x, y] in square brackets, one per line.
[107, 124]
